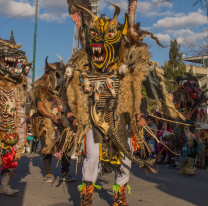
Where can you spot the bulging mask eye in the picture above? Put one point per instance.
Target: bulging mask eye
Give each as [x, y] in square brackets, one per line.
[58, 75]
[93, 33]
[111, 34]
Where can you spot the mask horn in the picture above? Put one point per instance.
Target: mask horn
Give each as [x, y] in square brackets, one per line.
[143, 36]
[117, 11]
[88, 11]
[26, 62]
[48, 68]
[61, 62]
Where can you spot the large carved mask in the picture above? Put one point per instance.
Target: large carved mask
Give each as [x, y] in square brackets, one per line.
[193, 88]
[11, 58]
[103, 40]
[102, 37]
[56, 75]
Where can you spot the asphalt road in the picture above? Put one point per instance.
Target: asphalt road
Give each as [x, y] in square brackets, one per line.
[162, 189]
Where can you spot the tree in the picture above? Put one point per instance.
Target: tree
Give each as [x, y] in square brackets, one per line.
[174, 67]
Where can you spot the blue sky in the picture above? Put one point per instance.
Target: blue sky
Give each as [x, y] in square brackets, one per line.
[55, 28]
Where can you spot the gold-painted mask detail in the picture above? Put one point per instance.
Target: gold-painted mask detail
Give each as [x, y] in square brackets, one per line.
[103, 38]
[104, 41]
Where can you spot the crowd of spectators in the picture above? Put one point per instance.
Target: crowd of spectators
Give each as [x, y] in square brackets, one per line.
[161, 130]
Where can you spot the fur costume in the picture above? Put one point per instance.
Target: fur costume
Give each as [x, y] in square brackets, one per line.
[136, 58]
[189, 99]
[46, 89]
[104, 88]
[13, 90]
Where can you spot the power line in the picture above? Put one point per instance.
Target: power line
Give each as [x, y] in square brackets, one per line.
[22, 13]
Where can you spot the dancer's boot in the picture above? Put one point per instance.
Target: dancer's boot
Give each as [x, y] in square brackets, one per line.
[5, 187]
[120, 195]
[87, 189]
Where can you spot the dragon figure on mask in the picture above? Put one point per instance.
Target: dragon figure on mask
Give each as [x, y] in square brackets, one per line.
[104, 95]
[14, 67]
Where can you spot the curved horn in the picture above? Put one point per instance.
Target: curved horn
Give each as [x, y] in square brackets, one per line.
[87, 10]
[26, 62]
[143, 36]
[61, 62]
[131, 15]
[117, 11]
[47, 65]
[131, 11]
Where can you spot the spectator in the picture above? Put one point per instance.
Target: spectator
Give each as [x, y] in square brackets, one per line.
[163, 139]
[158, 122]
[28, 124]
[151, 141]
[152, 111]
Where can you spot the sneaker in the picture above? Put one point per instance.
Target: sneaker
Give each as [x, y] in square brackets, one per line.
[166, 158]
[155, 154]
[67, 177]
[159, 158]
[48, 178]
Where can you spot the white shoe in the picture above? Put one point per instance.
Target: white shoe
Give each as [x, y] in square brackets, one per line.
[166, 158]
[159, 158]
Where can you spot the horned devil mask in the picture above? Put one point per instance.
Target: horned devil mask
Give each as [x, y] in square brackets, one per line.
[56, 74]
[101, 37]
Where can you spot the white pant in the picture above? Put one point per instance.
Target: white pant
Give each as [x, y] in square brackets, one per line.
[91, 166]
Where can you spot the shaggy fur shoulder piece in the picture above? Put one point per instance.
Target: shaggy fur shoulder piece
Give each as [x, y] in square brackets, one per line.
[40, 90]
[168, 108]
[135, 56]
[79, 59]
[129, 97]
[77, 100]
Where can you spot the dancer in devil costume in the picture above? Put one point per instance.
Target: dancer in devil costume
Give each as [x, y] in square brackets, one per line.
[13, 90]
[104, 95]
[47, 111]
[190, 101]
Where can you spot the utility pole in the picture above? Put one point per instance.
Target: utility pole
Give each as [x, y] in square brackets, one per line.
[34, 43]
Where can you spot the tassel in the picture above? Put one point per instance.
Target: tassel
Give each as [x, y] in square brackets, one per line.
[80, 187]
[129, 188]
[98, 187]
[116, 188]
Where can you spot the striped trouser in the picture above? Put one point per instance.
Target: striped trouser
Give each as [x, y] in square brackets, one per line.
[91, 166]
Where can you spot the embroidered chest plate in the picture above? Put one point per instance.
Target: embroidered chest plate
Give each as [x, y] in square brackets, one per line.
[101, 87]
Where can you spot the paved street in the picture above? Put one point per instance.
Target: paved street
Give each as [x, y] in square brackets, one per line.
[162, 189]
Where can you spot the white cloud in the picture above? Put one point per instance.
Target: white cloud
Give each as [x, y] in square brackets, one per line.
[145, 8]
[193, 19]
[179, 14]
[13, 8]
[51, 10]
[150, 9]
[155, 13]
[54, 10]
[163, 37]
[184, 36]
[49, 17]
